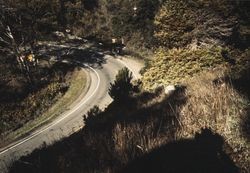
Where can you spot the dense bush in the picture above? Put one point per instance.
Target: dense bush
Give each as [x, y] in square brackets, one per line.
[178, 23]
[176, 65]
[122, 86]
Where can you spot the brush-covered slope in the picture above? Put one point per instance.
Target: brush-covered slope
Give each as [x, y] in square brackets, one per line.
[195, 36]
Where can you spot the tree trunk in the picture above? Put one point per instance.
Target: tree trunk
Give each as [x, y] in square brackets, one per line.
[61, 16]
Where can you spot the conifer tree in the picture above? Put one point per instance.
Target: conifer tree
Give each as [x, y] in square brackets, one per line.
[122, 86]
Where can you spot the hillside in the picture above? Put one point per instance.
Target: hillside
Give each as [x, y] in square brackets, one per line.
[22, 102]
[151, 130]
[31, 81]
[201, 47]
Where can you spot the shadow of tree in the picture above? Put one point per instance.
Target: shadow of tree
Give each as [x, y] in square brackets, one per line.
[242, 84]
[203, 154]
[80, 51]
[44, 160]
[164, 112]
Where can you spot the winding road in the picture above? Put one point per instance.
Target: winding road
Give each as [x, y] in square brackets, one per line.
[71, 120]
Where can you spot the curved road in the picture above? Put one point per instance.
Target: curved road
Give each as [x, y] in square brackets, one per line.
[71, 121]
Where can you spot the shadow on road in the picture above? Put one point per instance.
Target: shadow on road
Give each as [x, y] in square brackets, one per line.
[80, 51]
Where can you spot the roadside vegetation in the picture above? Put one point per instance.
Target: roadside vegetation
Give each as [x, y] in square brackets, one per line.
[201, 47]
[177, 65]
[151, 131]
[30, 82]
[22, 103]
[43, 107]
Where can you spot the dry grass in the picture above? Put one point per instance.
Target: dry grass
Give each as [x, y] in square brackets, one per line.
[136, 139]
[220, 108]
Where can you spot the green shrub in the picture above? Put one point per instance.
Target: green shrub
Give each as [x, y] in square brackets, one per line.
[176, 65]
[91, 114]
[121, 88]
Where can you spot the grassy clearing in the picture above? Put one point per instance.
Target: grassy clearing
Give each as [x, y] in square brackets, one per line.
[78, 83]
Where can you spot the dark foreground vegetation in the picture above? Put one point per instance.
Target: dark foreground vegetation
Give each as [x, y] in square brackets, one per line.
[200, 46]
[148, 132]
[201, 154]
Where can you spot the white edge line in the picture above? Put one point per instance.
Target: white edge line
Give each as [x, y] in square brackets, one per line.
[59, 120]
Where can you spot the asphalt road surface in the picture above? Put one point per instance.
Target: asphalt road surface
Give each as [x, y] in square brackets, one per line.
[71, 120]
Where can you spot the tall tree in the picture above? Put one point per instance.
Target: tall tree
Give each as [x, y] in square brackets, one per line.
[16, 38]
